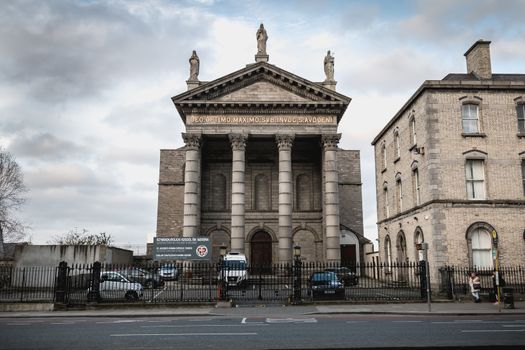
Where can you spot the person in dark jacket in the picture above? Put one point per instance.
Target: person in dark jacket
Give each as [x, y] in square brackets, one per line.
[495, 286]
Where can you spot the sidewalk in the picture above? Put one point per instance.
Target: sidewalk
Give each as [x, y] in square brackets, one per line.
[449, 308]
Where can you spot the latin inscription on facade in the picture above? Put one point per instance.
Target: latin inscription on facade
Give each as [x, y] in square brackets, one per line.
[262, 119]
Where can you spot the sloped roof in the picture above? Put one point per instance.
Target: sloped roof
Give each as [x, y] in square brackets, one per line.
[261, 85]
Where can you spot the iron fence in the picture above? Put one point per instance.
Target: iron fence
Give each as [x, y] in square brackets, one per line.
[454, 280]
[203, 282]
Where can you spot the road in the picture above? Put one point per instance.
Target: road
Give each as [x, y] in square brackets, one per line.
[275, 331]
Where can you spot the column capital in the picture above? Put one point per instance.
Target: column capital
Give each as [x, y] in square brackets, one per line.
[284, 141]
[330, 141]
[238, 141]
[192, 141]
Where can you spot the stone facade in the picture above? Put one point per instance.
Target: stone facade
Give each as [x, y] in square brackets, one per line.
[437, 145]
[261, 170]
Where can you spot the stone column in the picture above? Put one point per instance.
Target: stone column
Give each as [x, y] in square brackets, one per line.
[331, 197]
[192, 185]
[238, 143]
[284, 143]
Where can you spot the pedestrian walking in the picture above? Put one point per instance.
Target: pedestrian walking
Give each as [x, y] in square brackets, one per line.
[475, 286]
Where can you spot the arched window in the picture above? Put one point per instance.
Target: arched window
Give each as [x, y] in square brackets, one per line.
[388, 251]
[218, 192]
[262, 193]
[397, 145]
[385, 203]
[412, 124]
[383, 156]
[401, 247]
[418, 238]
[399, 193]
[303, 191]
[479, 241]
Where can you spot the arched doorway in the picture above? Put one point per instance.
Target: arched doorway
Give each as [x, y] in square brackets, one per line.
[261, 251]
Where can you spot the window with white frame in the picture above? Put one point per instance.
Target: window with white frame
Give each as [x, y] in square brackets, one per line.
[470, 118]
[413, 130]
[521, 117]
[475, 178]
[399, 195]
[397, 145]
[481, 247]
[416, 185]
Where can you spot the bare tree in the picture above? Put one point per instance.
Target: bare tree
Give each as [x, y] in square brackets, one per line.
[74, 237]
[12, 197]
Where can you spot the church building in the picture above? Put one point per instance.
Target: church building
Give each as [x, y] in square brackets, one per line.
[261, 170]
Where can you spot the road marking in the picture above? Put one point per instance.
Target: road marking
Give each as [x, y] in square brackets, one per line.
[63, 322]
[18, 324]
[413, 321]
[122, 321]
[203, 325]
[291, 320]
[253, 322]
[459, 321]
[490, 330]
[512, 325]
[178, 334]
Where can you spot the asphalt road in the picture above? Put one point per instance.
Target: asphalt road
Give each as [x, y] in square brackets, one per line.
[263, 332]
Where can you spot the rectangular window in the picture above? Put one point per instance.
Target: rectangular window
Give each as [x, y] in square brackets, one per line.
[417, 193]
[523, 174]
[475, 176]
[521, 117]
[470, 118]
[399, 196]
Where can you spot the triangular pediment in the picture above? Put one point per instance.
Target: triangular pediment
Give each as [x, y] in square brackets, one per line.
[261, 91]
[260, 84]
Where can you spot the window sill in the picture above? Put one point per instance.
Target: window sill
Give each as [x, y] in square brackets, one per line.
[397, 160]
[477, 134]
[521, 135]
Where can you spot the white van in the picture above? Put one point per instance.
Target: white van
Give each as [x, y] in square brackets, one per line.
[234, 270]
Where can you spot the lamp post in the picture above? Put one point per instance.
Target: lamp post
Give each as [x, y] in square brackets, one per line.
[223, 284]
[296, 275]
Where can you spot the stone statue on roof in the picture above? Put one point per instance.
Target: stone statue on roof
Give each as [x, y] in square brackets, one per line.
[262, 37]
[194, 66]
[329, 67]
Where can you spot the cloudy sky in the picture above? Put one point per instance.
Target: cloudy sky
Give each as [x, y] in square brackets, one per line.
[85, 86]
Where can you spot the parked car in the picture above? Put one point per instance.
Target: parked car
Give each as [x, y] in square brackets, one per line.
[114, 285]
[169, 273]
[146, 278]
[345, 276]
[325, 284]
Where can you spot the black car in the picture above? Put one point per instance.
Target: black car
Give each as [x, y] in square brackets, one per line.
[345, 276]
[325, 285]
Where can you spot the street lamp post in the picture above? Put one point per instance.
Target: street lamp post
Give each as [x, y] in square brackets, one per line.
[223, 284]
[296, 275]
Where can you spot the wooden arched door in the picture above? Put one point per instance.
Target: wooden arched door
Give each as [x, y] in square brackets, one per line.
[261, 252]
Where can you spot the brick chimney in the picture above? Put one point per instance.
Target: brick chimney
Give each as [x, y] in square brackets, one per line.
[478, 59]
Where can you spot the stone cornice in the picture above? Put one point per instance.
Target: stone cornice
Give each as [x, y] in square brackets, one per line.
[460, 203]
[489, 85]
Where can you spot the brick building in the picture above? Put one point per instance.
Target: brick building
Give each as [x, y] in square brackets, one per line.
[450, 169]
[261, 170]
